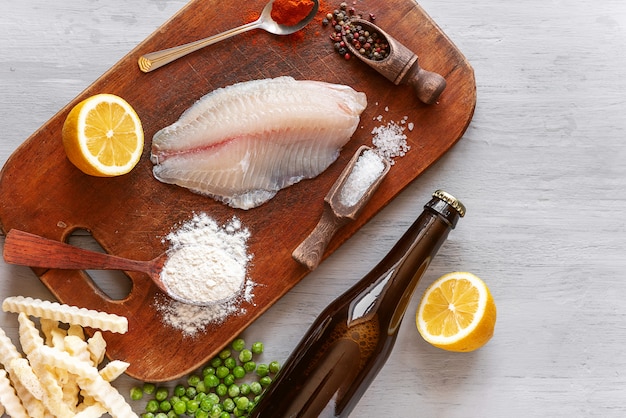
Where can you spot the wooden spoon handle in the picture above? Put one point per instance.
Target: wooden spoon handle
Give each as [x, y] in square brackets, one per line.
[31, 250]
[310, 251]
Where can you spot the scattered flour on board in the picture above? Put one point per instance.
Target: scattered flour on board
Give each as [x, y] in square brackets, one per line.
[212, 267]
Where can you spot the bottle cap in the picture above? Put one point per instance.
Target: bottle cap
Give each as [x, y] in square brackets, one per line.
[451, 200]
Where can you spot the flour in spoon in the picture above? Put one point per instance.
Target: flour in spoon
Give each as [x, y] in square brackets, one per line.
[207, 262]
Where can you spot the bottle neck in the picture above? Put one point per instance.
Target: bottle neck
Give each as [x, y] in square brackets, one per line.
[393, 281]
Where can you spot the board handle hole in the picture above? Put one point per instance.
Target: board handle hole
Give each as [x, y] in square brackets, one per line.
[116, 285]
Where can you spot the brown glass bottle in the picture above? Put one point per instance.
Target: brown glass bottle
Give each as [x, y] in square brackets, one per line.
[349, 342]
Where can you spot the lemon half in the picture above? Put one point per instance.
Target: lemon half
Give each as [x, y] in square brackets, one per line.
[103, 136]
[457, 313]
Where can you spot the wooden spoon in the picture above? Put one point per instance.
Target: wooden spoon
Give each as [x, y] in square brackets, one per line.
[32, 250]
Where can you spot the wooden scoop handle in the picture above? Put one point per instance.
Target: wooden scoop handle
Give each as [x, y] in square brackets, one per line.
[31, 250]
[428, 85]
[311, 250]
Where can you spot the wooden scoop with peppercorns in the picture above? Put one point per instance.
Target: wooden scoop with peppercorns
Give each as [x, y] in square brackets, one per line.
[396, 62]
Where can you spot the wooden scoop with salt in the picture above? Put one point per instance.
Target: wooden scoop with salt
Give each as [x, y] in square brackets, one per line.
[343, 203]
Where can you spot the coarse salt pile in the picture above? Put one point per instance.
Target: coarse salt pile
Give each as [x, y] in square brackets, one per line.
[209, 264]
[367, 169]
[390, 141]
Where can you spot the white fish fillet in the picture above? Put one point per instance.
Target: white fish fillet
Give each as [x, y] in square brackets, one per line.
[241, 144]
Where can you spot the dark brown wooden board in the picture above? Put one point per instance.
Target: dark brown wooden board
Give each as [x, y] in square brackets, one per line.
[41, 192]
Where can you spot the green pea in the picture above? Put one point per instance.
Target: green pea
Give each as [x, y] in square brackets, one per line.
[179, 390]
[238, 412]
[244, 388]
[239, 344]
[274, 367]
[136, 393]
[216, 411]
[229, 380]
[208, 370]
[191, 392]
[201, 387]
[213, 398]
[193, 380]
[224, 414]
[239, 372]
[172, 414]
[147, 415]
[224, 354]
[161, 415]
[152, 406]
[211, 381]
[222, 372]
[257, 348]
[221, 390]
[228, 404]
[233, 391]
[216, 362]
[262, 369]
[242, 403]
[201, 414]
[149, 388]
[192, 406]
[230, 363]
[265, 381]
[165, 406]
[161, 394]
[206, 404]
[249, 366]
[256, 388]
[180, 407]
[245, 355]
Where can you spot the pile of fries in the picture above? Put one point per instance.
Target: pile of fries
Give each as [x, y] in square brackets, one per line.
[60, 372]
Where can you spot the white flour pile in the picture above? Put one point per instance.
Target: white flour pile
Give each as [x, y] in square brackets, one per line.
[209, 263]
[367, 169]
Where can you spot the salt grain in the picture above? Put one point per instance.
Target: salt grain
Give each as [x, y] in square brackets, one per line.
[367, 169]
[390, 141]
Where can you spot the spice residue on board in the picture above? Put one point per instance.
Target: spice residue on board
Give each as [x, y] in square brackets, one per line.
[214, 267]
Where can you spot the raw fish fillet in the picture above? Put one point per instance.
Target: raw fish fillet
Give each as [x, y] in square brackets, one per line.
[241, 144]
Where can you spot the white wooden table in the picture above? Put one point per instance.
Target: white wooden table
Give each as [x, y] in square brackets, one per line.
[541, 170]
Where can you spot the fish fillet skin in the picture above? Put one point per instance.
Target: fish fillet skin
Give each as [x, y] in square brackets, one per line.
[241, 144]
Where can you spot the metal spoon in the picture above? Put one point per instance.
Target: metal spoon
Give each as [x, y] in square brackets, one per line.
[154, 60]
[32, 250]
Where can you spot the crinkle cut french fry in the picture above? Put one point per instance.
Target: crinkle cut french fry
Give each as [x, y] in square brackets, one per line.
[66, 313]
[97, 347]
[53, 396]
[77, 348]
[113, 370]
[27, 386]
[89, 380]
[8, 398]
[91, 411]
[47, 326]
[30, 338]
[8, 351]
[21, 370]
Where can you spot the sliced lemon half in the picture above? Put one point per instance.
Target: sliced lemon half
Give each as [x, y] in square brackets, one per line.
[457, 313]
[103, 136]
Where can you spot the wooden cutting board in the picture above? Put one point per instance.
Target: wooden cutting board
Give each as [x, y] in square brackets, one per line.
[43, 193]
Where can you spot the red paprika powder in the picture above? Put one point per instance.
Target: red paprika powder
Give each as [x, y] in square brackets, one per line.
[291, 12]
